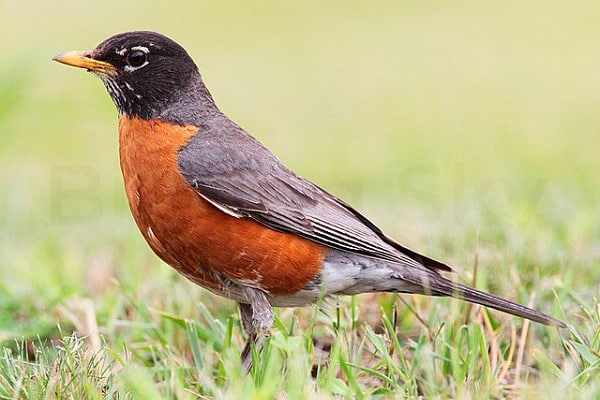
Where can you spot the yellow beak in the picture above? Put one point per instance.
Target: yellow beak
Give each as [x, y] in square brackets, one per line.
[82, 59]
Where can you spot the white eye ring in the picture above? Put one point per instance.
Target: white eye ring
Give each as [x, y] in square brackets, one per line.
[132, 64]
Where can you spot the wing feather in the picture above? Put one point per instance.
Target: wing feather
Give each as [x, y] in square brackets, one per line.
[236, 173]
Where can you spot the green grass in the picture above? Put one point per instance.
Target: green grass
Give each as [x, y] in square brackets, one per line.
[466, 130]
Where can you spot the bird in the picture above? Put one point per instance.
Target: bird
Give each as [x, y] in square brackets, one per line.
[221, 209]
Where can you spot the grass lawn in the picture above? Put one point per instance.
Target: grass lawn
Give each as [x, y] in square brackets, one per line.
[466, 130]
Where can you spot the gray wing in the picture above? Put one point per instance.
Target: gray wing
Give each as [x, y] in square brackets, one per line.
[237, 174]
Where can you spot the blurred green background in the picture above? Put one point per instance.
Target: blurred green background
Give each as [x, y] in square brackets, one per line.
[458, 127]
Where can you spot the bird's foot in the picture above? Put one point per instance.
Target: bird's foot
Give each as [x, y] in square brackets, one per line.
[257, 321]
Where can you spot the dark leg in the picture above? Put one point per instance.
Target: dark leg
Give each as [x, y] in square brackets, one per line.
[246, 316]
[257, 321]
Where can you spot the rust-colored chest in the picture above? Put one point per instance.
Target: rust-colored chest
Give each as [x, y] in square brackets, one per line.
[190, 234]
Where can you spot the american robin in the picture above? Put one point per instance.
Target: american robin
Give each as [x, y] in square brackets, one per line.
[222, 210]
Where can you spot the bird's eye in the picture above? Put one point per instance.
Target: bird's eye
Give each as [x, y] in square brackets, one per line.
[136, 58]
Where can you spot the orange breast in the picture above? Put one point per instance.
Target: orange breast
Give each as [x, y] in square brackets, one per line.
[190, 234]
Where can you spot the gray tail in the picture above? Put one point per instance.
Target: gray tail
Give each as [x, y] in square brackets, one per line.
[437, 285]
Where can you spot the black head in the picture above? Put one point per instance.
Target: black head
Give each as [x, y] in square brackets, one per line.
[147, 75]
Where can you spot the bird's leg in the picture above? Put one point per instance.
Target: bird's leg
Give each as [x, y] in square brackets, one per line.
[257, 321]
[246, 316]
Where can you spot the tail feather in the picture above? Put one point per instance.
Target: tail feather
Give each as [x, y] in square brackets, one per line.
[437, 285]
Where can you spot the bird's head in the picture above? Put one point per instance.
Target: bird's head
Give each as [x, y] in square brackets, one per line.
[146, 73]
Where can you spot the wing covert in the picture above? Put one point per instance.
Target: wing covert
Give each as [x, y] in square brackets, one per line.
[237, 174]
